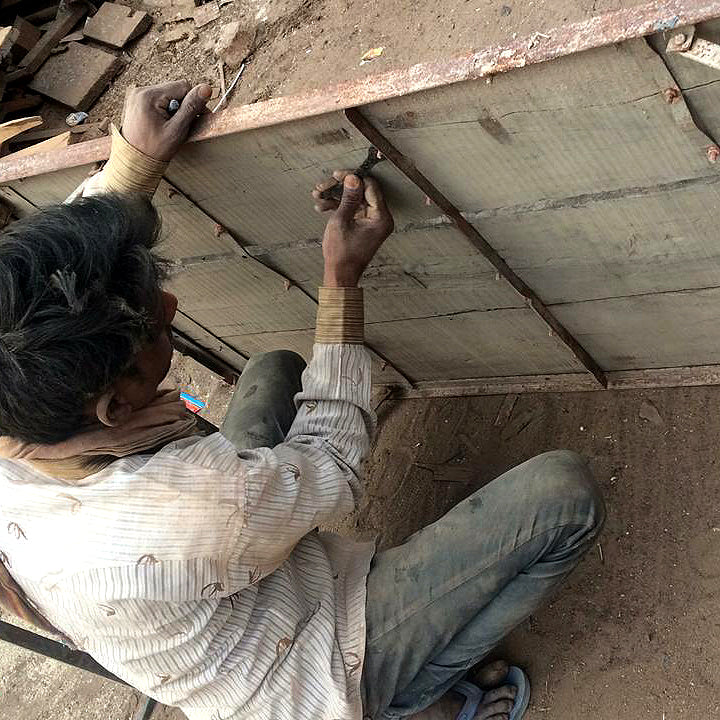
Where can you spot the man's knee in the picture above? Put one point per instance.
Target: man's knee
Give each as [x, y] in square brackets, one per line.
[563, 476]
[283, 362]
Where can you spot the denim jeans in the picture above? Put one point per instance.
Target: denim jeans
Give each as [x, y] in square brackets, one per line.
[439, 603]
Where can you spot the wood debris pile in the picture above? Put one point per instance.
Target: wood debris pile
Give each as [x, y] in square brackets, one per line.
[67, 53]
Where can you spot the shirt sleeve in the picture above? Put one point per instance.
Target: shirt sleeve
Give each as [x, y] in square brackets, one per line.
[313, 477]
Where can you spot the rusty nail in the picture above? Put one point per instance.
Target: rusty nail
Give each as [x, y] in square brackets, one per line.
[219, 230]
[671, 94]
[713, 153]
[679, 38]
[172, 192]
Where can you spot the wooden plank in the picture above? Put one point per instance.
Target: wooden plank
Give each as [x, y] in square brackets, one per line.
[8, 38]
[191, 330]
[693, 376]
[45, 133]
[646, 331]
[53, 143]
[116, 25]
[20, 104]
[21, 206]
[63, 24]
[11, 128]
[28, 37]
[77, 77]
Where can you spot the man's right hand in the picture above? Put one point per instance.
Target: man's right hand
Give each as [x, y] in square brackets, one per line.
[358, 226]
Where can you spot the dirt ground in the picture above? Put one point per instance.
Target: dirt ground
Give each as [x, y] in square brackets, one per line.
[301, 45]
[634, 635]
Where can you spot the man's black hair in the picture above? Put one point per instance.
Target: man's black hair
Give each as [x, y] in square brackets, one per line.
[79, 295]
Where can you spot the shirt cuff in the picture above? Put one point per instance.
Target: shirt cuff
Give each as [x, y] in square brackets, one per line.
[129, 170]
[340, 316]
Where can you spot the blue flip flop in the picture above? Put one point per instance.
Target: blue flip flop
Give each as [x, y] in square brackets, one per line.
[474, 695]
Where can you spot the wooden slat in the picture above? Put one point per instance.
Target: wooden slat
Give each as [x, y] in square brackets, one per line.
[572, 382]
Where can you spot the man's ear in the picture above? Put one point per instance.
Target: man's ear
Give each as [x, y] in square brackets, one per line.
[112, 409]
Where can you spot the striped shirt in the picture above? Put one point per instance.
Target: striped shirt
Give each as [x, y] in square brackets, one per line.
[196, 574]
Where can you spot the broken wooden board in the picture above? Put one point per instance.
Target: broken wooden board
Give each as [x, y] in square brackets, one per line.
[53, 143]
[116, 25]
[11, 128]
[77, 77]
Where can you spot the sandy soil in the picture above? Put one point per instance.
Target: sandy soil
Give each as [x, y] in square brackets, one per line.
[632, 636]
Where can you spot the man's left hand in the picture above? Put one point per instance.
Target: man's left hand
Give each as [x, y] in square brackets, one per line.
[149, 127]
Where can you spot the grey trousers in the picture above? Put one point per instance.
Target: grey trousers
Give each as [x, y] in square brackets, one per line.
[438, 603]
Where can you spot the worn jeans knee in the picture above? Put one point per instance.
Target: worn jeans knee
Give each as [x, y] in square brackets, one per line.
[276, 361]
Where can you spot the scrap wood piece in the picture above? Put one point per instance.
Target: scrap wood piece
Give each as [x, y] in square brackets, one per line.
[206, 13]
[28, 37]
[8, 38]
[61, 26]
[178, 10]
[45, 133]
[53, 143]
[11, 128]
[43, 15]
[116, 25]
[78, 77]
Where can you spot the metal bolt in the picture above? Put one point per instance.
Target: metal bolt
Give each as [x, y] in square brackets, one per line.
[671, 95]
[679, 39]
[713, 153]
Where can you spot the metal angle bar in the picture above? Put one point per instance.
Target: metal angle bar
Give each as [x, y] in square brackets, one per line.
[53, 649]
[598, 31]
[407, 167]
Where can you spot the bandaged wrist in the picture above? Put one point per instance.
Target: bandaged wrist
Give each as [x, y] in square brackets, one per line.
[340, 316]
[129, 169]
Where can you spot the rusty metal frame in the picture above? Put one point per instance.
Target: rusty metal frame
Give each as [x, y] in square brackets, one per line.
[599, 31]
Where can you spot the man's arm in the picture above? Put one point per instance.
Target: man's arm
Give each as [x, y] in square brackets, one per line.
[149, 139]
[315, 474]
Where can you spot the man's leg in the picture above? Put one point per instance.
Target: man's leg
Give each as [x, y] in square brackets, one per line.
[439, 603]
[262, 408]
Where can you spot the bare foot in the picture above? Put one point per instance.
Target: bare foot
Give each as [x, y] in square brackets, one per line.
[497, 704]
[489, 676]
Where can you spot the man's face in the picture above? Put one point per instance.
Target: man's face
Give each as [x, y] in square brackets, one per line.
[152, 363]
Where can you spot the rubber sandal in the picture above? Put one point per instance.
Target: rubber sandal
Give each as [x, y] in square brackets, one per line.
[520, 680]
[474, 695]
